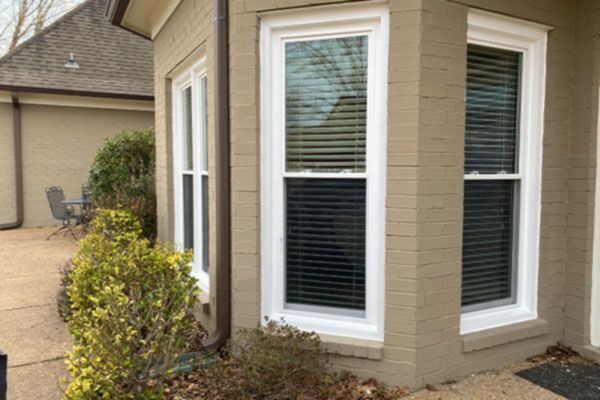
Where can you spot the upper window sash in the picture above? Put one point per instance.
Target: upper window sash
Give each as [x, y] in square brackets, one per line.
[492, 30]
[276, 31]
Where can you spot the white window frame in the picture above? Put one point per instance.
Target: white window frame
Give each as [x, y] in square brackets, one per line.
[492, 30]
[192, 77]
[322, 23]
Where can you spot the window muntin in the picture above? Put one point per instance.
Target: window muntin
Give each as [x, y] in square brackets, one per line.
[495, 37]
[191, 168]
[316, 147]
[491, 149]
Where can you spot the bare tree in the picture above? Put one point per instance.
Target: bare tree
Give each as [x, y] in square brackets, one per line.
[19, 19]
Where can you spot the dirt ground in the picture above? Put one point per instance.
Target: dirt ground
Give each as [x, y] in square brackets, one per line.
[493, 385]
[31, 332]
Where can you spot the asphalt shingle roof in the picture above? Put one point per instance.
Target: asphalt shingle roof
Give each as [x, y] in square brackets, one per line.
[112, 61]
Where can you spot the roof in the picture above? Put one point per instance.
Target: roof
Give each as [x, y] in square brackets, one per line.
[112, 62]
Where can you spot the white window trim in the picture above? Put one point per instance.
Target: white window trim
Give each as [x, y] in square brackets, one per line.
[190, 78]
[595, 306]
[493, 30]
[326, 22]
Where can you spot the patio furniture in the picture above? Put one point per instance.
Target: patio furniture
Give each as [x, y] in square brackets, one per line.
[86, 195]
[63, 212]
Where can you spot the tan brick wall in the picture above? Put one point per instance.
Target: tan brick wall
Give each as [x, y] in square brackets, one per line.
[425, 180]
[7, 166]
[59, 144]
[186, 37]
[582, 175]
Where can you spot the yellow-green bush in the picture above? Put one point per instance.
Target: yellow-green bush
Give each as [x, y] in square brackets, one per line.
[129, 301]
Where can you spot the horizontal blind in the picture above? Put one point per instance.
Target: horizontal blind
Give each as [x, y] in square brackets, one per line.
[188, 133]
[326, 104]
[491, 139]
[326, 242]
[188, 211]
[492, 110]
[487, 241]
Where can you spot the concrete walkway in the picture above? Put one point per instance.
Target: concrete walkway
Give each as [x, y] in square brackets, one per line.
[31, 332]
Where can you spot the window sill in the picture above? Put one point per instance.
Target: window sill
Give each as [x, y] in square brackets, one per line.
[503, 335]
[351, 347]
[330, 325]
[482, 320]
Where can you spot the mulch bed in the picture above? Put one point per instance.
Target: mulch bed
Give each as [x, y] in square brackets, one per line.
[346, 387]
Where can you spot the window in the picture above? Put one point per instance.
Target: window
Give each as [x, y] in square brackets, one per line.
[190, 165]
[323, 169]
[503, 142]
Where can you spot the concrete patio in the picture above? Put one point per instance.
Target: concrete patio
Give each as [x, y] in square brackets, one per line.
[31, 332]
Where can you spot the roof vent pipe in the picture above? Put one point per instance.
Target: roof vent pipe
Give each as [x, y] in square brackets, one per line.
[223, 208]
[18, 164]
[71, 63]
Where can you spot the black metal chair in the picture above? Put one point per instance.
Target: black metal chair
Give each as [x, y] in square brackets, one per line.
[62, 212]
[86, 195]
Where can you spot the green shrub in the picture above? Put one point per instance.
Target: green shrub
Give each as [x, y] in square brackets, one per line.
[277, 361]
[122, 175]
[130, 302]
[62, 298]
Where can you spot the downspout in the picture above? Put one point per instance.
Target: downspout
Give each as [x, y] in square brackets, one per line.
[16, 115]
[223, 240]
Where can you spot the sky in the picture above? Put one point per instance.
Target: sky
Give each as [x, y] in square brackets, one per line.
[8, 13]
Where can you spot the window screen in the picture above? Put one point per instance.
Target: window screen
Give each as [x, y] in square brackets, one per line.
[325, 120]
[491, 181]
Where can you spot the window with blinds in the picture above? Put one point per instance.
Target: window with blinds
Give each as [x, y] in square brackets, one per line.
[492, 179]
[190, 160]
[325, 185]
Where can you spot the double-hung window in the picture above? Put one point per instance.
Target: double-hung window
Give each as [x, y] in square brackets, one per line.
[323, 169]
[503, 143]
[190, 166]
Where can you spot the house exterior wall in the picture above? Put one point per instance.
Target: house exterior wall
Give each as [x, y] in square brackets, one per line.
[582, 178]
[424, 201]
[59, 144]
[7, 165]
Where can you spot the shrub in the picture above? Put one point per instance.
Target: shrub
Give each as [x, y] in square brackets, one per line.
[129, 305]
[62, 299]
[277, 361]
[122, 175]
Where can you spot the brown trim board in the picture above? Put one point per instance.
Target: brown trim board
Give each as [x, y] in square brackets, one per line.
[84, 93]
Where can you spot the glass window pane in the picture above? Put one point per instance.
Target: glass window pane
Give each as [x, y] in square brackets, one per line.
[326, 242]
[488, 250]
[187, 132]
[204, 125]
[491, 138]
[326, 104]
[205, 223]
[188, 211]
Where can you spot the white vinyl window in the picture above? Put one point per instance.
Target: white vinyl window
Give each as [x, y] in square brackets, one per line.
[503, 143]
[323, 169]
[190, 166]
